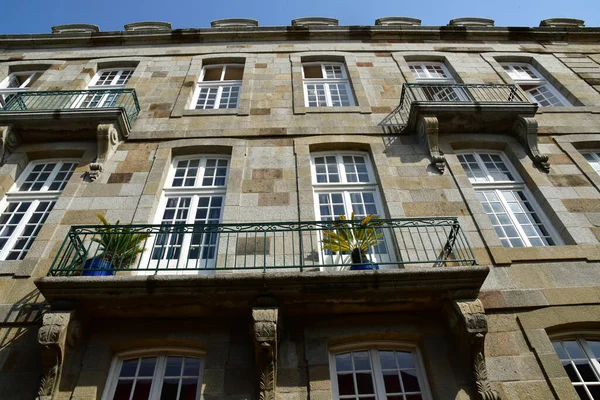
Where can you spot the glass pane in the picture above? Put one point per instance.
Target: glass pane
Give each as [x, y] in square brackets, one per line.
[188, 389]
[234, 73]
[312, 71]
[388, 361]
[392, 382]
[562, 354]
[405, 359]
[147, 366]
[212, 74]
[123, 390]
[585, 370]
[343, 362]
[169, 389]
[142, 389]
[192, 367]
[364, 382]
[345, 384]
[361, 361]
[128, 368]
[410, 381]
[574, 349]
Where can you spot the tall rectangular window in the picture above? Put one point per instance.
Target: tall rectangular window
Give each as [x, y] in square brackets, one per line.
[535, 85]
[28, 203]
[219, 87]
[581, 360]
[15, 83]
[326, 84]
[437, 82]
[506, 200]
[105, 79]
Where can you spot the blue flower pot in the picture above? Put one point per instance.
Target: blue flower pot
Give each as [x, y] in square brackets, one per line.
[98, 267]
[363, 266]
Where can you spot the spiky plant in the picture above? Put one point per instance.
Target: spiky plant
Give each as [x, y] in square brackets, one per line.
[119, 244]
[353, 236]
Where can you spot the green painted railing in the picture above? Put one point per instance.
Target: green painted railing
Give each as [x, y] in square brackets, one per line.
[73, 99]
[181, 248]
[440, 93]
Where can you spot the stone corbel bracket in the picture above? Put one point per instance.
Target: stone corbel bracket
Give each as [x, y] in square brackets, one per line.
[9, 140]
[265, 332]
[58, 333]
[428, 129]
[526, 131]
[108, 140]
[468, 322]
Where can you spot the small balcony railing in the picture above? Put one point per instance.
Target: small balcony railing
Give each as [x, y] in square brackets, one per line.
[299, 246]
[67, 100]
[433, 93]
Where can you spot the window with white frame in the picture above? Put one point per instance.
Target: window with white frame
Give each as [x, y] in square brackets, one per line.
[28, 203]
[506, 200]
[326, 84]
[105, 79]
[581, 360]
[593, 157]
[17, 82]
[438, 80]
[380, 372]
[535, 85]
[167, 375]
[345, 183]
[219, 87]
[194, 194]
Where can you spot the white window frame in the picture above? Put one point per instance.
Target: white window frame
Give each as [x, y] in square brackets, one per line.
[85, 100]
[220, 85]
[35, 197]
[581, 337]
[345, 188]
[374, 347]
[518, 184]
[6, 91]
[195, 192]
[431, 79]
[595, 155]
[432, 94]
[344, 80]
[538, 81]
[161, 354]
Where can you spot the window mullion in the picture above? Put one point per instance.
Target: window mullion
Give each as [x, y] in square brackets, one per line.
[512, 216]
[51, 177]
[379, 384]
[157, 378]
[218, 97]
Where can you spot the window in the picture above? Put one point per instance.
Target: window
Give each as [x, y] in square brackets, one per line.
[581, 359]
[219, 87]
[506, 201]
[534, 84]
[105, 79]
[345, 183]
[164, 376]
[17, 82]
[326, 85]
[382, 373]
[438, 80]
[28, 203]
[593, 158]
[195, 194]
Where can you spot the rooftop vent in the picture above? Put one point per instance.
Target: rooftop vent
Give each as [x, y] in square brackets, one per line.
[315, 21]
[398, 21]
[469, 21]
[75, 28]
[234, 23]
[148, 26]
[563, 23]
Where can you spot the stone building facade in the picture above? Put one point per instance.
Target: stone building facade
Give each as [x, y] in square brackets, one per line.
[478, 146]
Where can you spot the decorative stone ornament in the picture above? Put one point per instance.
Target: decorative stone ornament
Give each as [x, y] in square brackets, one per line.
[234, 23]
[265, 332]
[398, 21]
[58, 333]
[315, 21]
[563, 23]
[469, 324]
[148, 26]
[107, 138]
[471, 21]
[428, 129]
[75, 28]
[526, 130]
[9, 140]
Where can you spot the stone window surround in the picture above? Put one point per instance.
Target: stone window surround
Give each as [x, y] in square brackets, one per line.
[573, 145]
[542, 326]
[188, 88]
[22, 66]
[404, 58]
[533, 178]
[349, 60]
[537, 61]
[11, 171]
[234, 148]
[92, 67]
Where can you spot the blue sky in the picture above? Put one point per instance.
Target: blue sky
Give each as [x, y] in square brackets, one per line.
[37, 16]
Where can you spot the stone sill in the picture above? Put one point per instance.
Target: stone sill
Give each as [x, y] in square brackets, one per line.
[230, 111]
[568, 110]
[334, 110]
[507, 255]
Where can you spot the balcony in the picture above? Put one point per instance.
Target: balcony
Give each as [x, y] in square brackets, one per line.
[220, 269]
[460, 108]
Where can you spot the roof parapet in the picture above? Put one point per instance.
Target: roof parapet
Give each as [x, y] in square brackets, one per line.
[148, 26]
[563, 23]
[234, 23]
[75, 28]
[398, 21]
[315, 21]
[471, 21]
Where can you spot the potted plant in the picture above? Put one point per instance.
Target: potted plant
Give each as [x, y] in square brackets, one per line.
[119, 247]
[354, 237]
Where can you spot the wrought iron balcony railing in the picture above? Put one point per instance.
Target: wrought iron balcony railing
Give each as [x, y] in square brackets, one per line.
[181, 248]
[125, 99]
[433, 93]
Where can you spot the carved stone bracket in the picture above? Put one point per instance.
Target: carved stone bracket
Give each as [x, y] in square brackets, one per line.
[427, 128]
[58, 333]
[526, 130]
[468, 322]
[265, 331]
[107, 137]
[9, 140]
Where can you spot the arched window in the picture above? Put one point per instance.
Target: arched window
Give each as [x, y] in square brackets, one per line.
[580, 358]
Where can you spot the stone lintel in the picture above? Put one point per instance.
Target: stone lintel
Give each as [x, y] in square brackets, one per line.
[315, 21]
[398, 21]
[471, 21]
[75, 28]
[563, 23]
[148, 26]
[234, 23]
